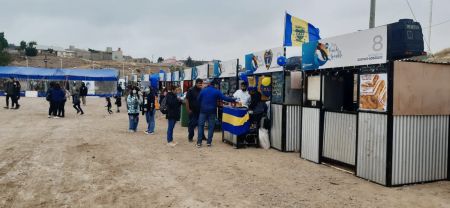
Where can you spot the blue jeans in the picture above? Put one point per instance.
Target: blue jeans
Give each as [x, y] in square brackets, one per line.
[170, 126]
[133, 122]
[211, 117]
[150, 117]
[193, 122]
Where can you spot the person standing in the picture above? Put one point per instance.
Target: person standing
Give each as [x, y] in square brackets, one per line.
[49, 98]
[57, 96]
[173, 103]
[208, 111]
[61, 105]
[83, 93]
[108, 105]
[76, 101]
[150, 113]
[118, 101]
[9, 90]
[133, 110]
[193, 107]
[242, 95]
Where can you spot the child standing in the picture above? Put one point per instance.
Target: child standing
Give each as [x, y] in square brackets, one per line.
[118, 101]
[76, 101]
[108, 105]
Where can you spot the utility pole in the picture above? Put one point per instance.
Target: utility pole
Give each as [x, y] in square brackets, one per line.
[372, 13]
[429, 26]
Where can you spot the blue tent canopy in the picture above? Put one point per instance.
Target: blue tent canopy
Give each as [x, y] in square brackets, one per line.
[59, 74]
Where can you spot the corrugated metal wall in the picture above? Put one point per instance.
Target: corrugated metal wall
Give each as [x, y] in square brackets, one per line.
[310, 134]
[339, 142]
[293, 128]
[420, 149]
[372, 144]
[277, 126]
[230, 137]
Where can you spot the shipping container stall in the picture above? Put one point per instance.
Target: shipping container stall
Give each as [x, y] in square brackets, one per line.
[292, 100]
[176, 78]
[227, 73]
[162, 79]
[168, 80]
[331, 133]
[187, 81]
[403, 127]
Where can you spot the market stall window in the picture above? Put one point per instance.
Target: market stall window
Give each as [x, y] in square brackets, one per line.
[339, 88]
[293, 88]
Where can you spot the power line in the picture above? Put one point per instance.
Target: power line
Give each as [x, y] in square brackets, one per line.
[441, 23]
[415, 19]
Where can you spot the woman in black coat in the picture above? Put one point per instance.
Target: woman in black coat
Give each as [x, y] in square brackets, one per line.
[173, 104]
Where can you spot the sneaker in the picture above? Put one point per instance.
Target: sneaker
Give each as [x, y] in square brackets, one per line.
[208, 145]
[190, 140]
[146, 132]
[81, 113]
[171, 144]
[199, 145]
[55, 117]
[152, 133]
[6, 107]
[18, 106]
[49, 116]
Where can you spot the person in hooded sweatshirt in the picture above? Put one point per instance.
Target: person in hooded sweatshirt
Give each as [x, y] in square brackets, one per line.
[133, 103]
[76, 101]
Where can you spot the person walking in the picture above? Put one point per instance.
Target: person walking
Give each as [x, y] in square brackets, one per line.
[118, 101]
[76, 101]
[57, 97]
[150, 110]
[83, 93]
[173, 103]
[193, 107]
[133, 110]
[61, 105]
[208, 111]
[16, 95]
[9, 90]
[108, 105]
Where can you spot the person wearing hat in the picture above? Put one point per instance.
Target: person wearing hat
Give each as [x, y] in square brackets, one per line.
[208, 110]
[242, 95]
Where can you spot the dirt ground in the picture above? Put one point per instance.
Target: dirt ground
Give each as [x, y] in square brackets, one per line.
[92, 161]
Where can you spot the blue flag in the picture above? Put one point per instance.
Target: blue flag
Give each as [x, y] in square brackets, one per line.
[298, 31]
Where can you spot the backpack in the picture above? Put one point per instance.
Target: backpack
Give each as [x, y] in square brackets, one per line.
[163, 106]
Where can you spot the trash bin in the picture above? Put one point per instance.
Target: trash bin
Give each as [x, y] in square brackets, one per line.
[184, 116]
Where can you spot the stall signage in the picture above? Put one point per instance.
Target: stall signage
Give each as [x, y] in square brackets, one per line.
[162, 76]
[202, 71]
[373, 92]
[176, 76]
[355, 49]
[169, 77]
[187, 74]
[264, 61]
[228, 68]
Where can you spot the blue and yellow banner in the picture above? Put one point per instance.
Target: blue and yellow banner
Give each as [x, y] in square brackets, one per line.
[235, 120]
[298, 31]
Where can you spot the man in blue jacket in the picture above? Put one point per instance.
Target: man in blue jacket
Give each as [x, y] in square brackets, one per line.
[208, 110]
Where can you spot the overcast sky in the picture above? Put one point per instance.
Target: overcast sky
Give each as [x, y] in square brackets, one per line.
[202, 29]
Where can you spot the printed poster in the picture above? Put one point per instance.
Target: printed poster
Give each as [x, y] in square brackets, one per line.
[373, 92]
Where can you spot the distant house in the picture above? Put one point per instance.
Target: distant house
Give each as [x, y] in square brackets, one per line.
[117, 55]
[173, 61]
[142, 60]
